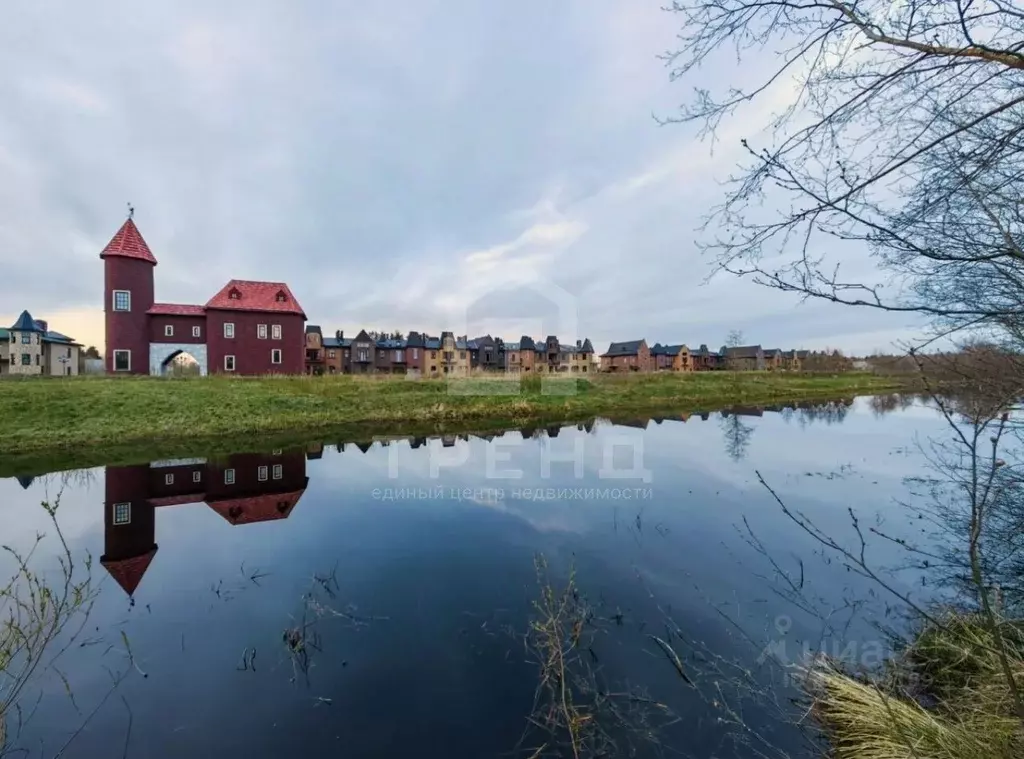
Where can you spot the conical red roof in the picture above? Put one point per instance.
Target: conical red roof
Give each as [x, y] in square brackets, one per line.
[128, 243]
[128, 572]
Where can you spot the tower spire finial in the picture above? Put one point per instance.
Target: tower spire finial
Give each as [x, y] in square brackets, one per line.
[131, 210]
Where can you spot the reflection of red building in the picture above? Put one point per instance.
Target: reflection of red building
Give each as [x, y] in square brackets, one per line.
[244, 488]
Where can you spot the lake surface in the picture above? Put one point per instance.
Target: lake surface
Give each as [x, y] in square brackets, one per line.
[381, 598]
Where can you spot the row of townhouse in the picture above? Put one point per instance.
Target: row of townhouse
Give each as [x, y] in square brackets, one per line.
[636, 356]
[419, 354]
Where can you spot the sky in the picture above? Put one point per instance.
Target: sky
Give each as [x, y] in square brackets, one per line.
[418, 164]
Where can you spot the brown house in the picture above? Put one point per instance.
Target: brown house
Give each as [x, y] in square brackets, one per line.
[629, 356]
[521, 356]
[361, 354]
[772, 359]
[314, 350]
[674, 358]
[743, 358]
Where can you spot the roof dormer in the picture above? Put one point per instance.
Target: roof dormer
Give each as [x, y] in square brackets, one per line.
[234, 294]
[281, 297]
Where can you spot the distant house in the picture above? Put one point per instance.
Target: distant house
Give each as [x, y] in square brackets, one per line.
[743, 357]
[675, 358]
[334, 353]
[486, 353]
[521, 356]
[361, 358]
[315, 358]
[30, 347]
[628, 356]
[454, 355]
[704, 360]
[577, 359]
[793, 360]
[772, 359]
[415, 354]
[391, 355]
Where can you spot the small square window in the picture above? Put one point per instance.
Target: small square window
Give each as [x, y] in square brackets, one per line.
[122, 300]
[262, 474]
[26, 338]
[197, 476]
[229, 476]
[278, 471]
[261, 331]
[168, 330]
[229, 363]
[275, 331]
[229, 329]
[122, 361]
[275, 356]
[168, 479]
[197, 332]
[122, 513]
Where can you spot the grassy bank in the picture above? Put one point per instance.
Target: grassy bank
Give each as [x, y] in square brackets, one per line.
[48, 415]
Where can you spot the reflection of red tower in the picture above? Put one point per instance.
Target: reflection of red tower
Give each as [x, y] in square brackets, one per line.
[129, 535]
[127, 295]
[244, 488]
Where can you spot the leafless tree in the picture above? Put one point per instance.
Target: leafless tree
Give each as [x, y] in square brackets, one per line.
[900, 138]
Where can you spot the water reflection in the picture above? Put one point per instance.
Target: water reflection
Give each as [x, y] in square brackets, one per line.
[242, 489]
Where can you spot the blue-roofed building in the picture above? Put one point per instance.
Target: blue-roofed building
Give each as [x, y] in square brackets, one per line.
[30, 347]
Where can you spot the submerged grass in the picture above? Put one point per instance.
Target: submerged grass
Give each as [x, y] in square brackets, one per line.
[945, 697]
[44, 415]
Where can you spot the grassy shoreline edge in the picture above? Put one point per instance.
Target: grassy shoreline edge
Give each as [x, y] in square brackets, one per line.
[84, 422]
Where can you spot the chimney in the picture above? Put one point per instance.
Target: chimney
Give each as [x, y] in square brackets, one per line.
[579, 343]
[42, 325]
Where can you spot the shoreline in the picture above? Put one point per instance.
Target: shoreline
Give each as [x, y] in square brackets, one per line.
[87, 422]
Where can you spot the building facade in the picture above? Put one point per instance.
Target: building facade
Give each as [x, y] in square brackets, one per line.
[673, 358]
[248, 327]
[628, 356]
[31, 348]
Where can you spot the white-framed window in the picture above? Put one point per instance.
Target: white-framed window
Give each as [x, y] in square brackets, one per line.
[261, 331]
[122, 361]
[197, 476]
[122, 513]
[276, 452]
[398, 357]
[275, 331]
[168, 479]
[168, 330]
[330, 354]
[415, 353]
[261, 474]
[229, 329]
[197, 332]
[229, 476]
[275, 356]
[122, 300]
[229, 363]
[278, 471]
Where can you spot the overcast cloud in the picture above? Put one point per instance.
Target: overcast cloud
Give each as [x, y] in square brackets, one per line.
[393, 162]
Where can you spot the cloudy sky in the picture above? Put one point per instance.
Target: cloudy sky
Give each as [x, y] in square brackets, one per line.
[416, 164]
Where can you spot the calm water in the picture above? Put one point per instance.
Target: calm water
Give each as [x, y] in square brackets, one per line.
[373, 598]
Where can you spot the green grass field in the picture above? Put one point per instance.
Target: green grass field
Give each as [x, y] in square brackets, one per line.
[47, 415]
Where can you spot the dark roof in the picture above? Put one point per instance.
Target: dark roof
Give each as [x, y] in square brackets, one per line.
[310, 328]
[415, 340]
[362, 337]
[432, 343]
[25, 323]
[741, 351]
[667, 350]
[772, 351]
[802, 354]
[526, 343]
[587, 347]
[390, 342]
[627, 348]
[332, 342]
[445, 334]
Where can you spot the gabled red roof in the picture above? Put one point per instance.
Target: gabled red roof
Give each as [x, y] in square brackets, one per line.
[176, 309]
[242, 295]
[128, 572]
[128, 243]
[261, 508]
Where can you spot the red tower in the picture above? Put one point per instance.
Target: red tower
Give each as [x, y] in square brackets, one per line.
[127, 295]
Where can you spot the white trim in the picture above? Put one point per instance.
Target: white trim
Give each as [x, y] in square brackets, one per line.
[261, 473]
[278, 471]
[278, 356]
[233, 362]
[168, 330]
[113, 301]
[261, 331]
[197, 331]
[229, 476]
[229, 330]
[113, 365]
[168, 479]
[197, 476]
[275, 331]
[128, 512]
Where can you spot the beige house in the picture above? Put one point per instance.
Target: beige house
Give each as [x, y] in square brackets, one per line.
[454, 356]
[29, 348]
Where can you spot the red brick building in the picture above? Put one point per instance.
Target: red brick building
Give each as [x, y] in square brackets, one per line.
[246, 328]
[243, 489]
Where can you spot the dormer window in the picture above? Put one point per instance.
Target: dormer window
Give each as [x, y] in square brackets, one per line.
[235, 294]
[281, 297]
